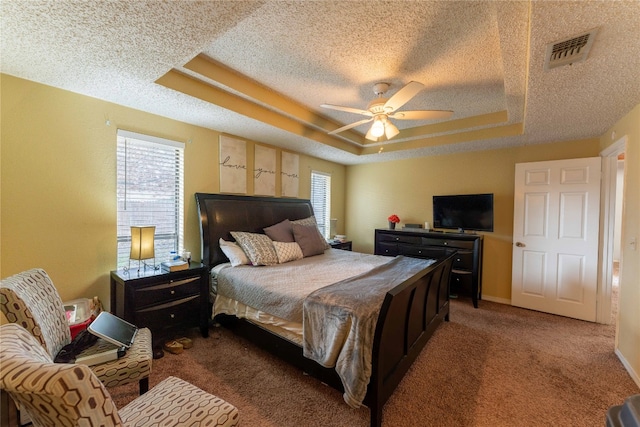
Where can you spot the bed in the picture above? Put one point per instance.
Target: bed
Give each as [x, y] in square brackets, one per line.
[414, 296]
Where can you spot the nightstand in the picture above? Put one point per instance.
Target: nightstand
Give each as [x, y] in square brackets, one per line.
[341, 245]
[162, 301]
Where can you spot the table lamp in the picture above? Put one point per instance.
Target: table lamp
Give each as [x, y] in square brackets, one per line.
[142, 244]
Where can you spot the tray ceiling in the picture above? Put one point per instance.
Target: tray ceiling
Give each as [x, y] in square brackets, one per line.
[261, 69]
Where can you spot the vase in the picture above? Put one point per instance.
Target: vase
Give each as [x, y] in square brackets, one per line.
[392, 225]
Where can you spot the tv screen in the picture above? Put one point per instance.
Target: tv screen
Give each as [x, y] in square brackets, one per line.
[463, 212]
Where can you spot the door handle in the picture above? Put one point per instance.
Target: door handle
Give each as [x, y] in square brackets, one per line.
[520, 244]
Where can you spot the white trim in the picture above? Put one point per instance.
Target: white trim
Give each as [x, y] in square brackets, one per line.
[633, 374]
[496, 299]
[142, 137]
[607, 229]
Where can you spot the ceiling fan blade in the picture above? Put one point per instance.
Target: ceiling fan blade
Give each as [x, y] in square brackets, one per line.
[352, 125]
[390, 130]
[421, 115]
[403, 96]
[348, 109]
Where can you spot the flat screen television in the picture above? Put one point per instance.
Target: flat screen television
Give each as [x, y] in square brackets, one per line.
[463, 212]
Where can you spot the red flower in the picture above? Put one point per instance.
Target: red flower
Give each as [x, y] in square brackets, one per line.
[394, 218]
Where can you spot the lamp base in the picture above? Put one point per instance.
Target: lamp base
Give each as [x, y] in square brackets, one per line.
[144, 265]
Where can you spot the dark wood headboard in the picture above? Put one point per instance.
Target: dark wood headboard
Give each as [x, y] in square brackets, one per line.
[222, 213]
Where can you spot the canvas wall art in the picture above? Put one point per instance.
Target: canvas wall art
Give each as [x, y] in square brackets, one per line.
[290, 165]
[233, 165]
[264, 171]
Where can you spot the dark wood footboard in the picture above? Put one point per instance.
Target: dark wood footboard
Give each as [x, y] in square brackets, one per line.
[409, 315]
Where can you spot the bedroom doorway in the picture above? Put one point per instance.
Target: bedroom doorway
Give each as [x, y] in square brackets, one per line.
[612, 205]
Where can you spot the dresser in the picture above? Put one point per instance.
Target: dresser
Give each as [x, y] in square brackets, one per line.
[466, 276]
[162, 301]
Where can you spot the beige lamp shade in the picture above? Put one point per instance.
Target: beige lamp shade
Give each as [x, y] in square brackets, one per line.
[142, 245]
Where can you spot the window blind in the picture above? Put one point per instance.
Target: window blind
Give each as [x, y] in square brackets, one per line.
[321, 200]
[150, 191]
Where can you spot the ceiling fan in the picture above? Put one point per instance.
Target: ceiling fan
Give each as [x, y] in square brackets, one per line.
[380, 110]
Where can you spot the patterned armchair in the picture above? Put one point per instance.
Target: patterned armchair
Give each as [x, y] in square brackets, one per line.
[56, 394]
[31, 300]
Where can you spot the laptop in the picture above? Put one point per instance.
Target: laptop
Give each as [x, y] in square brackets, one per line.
[113, 329]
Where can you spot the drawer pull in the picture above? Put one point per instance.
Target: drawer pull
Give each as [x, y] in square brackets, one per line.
[173, 291]
[172, 315]
[445, 243]
[458, 259]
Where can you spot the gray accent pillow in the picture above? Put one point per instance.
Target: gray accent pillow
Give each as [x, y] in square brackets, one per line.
[311, 221]
[280, 232]
[258, 247]
[309, 238]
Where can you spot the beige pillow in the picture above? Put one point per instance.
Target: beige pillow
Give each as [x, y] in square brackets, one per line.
[287, 251]
[234, 252]
[258, 247]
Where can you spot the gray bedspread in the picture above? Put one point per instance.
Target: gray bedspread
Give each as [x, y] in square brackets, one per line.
[340, 321]
[280, 289]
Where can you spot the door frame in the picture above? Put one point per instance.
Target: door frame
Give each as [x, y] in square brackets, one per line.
[607, 228]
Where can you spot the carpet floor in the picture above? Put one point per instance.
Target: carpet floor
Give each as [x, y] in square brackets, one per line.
[493, 366]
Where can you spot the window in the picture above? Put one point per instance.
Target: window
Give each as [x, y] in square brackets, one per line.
[150, 192]
[321, 200]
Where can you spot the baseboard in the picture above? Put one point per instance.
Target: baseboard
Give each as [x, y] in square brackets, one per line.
[633, 374]
[496, 299]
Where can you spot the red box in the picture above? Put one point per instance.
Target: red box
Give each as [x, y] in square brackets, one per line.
[79, 327]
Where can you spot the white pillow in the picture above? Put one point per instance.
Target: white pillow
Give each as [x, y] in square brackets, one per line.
[234, 252]
[287, 251]
[258, 247]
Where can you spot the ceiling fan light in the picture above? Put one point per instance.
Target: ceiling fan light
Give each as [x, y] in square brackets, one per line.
[377, 128]
[390, 130]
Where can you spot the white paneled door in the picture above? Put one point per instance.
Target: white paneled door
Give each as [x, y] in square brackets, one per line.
[555, 237]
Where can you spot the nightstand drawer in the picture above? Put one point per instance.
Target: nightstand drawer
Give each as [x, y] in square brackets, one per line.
[167, 291]
[169, 314]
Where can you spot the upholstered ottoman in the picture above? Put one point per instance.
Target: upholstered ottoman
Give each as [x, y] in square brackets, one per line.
[182, 403]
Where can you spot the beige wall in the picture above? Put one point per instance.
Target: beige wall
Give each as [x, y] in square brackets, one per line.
[628, 325]
[58, 182]
[406, 187]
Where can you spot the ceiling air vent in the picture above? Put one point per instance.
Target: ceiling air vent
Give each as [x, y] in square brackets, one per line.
[569, 51]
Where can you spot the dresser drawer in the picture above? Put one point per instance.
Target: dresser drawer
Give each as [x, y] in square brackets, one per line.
[451, 243]
[185, 310]
[386, 248]
[413, 240]
[463, 260]
[461, 280]
[422, 251]
[167, 291]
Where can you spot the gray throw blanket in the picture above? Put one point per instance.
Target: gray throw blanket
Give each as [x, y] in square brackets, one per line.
[340, 321]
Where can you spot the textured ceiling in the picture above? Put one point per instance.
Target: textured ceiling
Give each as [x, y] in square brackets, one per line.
[261, 70]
